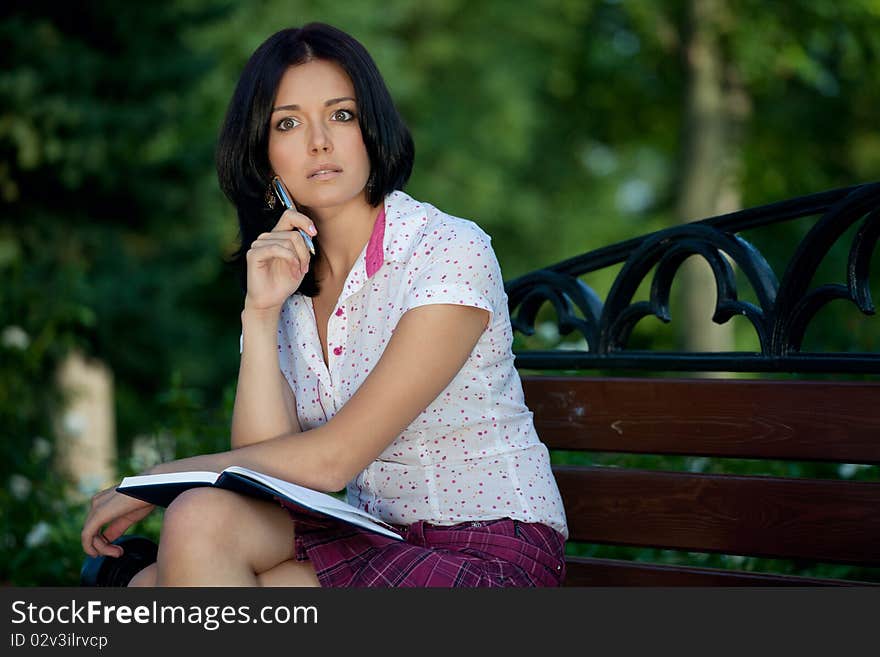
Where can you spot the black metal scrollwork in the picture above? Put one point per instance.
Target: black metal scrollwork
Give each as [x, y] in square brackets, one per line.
[784, 310]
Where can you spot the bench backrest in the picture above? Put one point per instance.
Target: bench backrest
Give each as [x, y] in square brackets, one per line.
[810, 520]
[808, 490]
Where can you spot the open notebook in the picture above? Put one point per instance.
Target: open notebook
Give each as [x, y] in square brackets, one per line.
[161, 489]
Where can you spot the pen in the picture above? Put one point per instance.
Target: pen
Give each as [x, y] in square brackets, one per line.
[281, 191]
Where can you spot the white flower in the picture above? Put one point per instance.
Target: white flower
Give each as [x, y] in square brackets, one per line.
[548, 331]
[151, 449]
[38, 534]
[599, 159]
[41, 448]
[90, 484]
[145, 452]
[735, 560]
[20, 486]
[849, 470]
[578, 345]
[14, 337]
[698, 464]
[634, 196]
[74, 424]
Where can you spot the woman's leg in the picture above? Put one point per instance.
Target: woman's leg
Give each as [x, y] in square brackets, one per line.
[145, 577]
[287, 573]
[216, 537]
[290, 573]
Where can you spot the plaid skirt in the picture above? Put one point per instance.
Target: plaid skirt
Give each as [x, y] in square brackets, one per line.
[489, 553]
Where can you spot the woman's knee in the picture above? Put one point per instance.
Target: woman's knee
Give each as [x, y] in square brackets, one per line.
[289, 573]
[207, 522]
[199, 514]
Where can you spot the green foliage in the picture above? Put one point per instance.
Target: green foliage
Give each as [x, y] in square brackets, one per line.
[39, 547]
[110, 242]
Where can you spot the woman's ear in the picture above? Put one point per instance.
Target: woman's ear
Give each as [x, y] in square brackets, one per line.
[269, 197]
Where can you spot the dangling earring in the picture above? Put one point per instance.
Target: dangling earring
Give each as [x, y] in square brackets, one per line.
[270, 197]
[371, 184]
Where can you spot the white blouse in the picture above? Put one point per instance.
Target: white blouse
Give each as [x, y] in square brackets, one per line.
[473, 453]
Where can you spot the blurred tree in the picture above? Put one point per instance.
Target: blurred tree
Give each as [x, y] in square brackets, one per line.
[713, 103]
[106, 211]
[109, 239]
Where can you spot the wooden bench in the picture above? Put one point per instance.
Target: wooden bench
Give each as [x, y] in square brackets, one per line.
[594, 425]
[804, 520]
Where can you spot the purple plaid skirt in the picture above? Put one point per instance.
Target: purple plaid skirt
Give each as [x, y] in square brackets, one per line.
[489, 553]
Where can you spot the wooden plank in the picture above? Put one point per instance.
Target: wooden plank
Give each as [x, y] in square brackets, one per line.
[820, 520]
[795, 420]
[581, 571]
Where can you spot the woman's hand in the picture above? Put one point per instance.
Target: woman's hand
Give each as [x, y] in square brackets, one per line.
[278, 261]
[120, 511]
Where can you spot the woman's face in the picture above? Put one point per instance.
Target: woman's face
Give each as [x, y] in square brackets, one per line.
[315, 142]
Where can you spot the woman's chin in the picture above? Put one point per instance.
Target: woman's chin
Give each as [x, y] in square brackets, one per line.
[325, 202]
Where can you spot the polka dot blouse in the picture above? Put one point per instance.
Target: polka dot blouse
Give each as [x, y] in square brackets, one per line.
[473, 454]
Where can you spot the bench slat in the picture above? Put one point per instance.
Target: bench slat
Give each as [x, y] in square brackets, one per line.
[821, 520]
[583, 571]
[796, 420]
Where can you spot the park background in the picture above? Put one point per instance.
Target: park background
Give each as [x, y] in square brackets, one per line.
[559, 126]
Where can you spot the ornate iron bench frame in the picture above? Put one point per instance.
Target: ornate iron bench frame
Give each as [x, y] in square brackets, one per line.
[806, 520]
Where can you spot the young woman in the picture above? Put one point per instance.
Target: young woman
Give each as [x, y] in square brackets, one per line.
[381, 364]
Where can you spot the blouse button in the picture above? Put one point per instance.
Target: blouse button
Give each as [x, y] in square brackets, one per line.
[337, 351]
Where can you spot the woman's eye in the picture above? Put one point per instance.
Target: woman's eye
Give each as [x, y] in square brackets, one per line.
[287, 123]
[343, 115]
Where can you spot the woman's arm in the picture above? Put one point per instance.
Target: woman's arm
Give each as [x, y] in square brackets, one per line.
[428, 348]
[265, 406]
[277, 262]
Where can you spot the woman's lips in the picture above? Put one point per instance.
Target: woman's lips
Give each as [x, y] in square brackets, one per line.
[327, 174]
[325, 171]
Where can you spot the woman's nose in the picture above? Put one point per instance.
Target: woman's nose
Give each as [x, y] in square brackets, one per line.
[320, 141]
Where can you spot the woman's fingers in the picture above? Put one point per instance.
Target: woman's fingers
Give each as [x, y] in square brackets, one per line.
[92, 525]
[103, 547]
[120, 511]
[120, 525]
[277, 261]
[289, 225]
[263, 253]
[95, 543]
[291, 220]
[291, 238]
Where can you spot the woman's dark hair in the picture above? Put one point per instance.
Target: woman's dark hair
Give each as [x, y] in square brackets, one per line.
[242, 155]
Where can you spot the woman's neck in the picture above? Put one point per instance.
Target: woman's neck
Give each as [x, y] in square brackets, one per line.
[343, 232]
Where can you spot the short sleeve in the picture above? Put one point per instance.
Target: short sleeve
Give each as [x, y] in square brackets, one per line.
[455, 264]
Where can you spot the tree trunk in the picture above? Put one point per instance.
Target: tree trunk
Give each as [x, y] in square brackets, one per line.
[85, 433]
[708, 184]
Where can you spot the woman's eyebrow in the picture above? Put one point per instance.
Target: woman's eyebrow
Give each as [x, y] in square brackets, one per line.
[327, 103]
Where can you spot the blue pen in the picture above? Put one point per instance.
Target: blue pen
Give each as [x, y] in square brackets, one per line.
[281, 192]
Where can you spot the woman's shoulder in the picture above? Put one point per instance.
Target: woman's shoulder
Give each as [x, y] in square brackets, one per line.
[440, 228]
[457, 229]
[452, 256]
